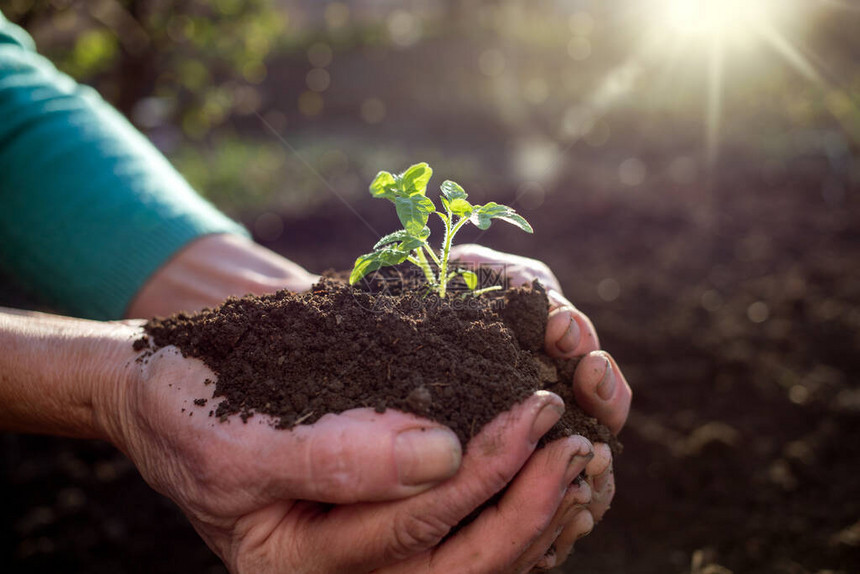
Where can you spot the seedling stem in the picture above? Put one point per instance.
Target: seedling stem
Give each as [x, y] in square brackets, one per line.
[408, 193]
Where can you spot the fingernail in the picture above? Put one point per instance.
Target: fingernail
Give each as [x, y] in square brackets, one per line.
[575, 467]
[582, 535]
[426, 455]
[585, 523]
[606, 386]
[548, 560]
[545, 420]
[570, 340]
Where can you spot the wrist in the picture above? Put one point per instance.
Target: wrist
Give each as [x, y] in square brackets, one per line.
[63, 376]
[111, 371]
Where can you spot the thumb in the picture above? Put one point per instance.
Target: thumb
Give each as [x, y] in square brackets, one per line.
[393, 531]
[360, 455]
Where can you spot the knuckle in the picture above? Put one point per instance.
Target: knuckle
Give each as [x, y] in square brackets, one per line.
[495, 477]
[330, 479]
[414, 533]
[579, 495]
[543, 269]
[331, 469]
[498, 478]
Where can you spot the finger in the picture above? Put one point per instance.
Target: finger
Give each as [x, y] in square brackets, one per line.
[391, 532]
[580, 527]
[541, 555]
[599, 473]
[557, 299]
[518, 270]
[522, 521]
[357, 455]
[601, 463]
[569, 333]
[601, 477]
[601, 390]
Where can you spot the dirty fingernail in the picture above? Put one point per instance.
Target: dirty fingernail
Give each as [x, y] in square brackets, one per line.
[426, 456]
[548, 560]
[585, 524]
[575, 467]
[545, 420]
[570, 340]
[606, 386]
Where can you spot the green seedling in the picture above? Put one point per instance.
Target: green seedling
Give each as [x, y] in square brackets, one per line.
[407, 191]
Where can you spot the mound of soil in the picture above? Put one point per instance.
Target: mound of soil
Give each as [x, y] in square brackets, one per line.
[459, 361]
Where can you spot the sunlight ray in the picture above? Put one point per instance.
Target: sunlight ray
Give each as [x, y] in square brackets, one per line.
[792, 55]
[840, 105]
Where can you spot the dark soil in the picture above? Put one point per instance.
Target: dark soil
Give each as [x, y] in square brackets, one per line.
[459, 361]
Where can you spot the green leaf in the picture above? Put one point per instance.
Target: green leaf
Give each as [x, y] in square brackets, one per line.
[403, 235]
[410, 244]
[470, 277]
[461, 207]
[516, 219]
[372, 261]
[483, 215]
[363, 265]
[384, 185]
[451, 190]
[414, 211]
[414, 180]
[398, 235]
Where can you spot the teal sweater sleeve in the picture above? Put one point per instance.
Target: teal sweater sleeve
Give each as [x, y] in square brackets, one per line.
[89, 209]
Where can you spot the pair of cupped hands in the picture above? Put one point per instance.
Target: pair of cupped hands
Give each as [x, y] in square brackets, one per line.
[368, 492]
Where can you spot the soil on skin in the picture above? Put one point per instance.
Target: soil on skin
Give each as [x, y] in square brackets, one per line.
[459, 361]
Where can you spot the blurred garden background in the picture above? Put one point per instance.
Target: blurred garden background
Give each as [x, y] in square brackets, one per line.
[691, 170]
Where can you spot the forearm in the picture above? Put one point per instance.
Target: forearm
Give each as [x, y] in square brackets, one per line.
[59, 375]
[90, 207]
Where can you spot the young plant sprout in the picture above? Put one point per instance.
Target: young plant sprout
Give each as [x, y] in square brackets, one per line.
[408, 193]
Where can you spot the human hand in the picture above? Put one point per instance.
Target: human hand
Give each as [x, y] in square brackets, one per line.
[598, 384]
[212, 268]
[262, 498]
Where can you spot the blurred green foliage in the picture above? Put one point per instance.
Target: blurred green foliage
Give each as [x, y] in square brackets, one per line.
[524, 95]
[204, 58]
[244, 176]
[241, 175]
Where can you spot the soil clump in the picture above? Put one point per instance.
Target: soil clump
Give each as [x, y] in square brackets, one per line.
[298, 356]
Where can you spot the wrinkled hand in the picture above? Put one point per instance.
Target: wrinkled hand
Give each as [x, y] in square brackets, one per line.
[355, 492]
[212, 268]
[598, 384]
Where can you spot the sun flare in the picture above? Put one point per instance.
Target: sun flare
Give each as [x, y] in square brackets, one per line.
[721, 19]
[716, 35]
